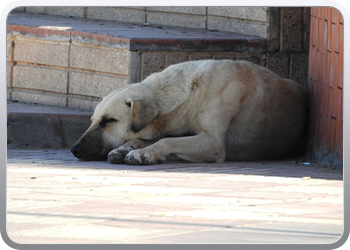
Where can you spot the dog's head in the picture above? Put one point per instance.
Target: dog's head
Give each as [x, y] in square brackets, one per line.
[118, 117]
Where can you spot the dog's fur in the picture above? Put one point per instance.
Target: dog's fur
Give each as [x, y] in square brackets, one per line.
[200, 111]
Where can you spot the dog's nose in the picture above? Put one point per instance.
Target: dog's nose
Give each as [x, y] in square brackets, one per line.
[76, 150]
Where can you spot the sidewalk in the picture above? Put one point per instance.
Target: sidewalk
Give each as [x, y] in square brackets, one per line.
[54, 198]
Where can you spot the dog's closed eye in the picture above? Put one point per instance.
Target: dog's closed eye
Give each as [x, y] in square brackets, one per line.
[107, 121]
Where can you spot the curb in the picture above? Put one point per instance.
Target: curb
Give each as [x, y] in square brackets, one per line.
[40, 126]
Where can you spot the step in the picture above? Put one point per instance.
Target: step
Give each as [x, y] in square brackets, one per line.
[43, 126]
[73, 61]
[65, 65]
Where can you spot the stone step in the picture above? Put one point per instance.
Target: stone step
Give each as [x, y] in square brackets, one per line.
[42, 126]
[73, 62]
[67, 64]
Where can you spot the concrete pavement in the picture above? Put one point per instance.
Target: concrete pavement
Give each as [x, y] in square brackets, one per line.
[54, 198]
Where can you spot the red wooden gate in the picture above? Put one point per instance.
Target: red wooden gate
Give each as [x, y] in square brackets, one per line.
[326, 83]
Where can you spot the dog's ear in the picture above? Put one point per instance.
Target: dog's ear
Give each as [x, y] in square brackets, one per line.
[143, 111]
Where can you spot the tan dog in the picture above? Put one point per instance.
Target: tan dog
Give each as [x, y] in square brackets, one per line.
[200, 111]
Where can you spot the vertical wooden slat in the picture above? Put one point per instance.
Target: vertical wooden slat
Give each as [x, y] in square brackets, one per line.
[328, 43]
[335, 68]
[325, 136]
[331, 134]
[334, 62]
[337, 32]
[339, 123]
[321, 32]
[315, 32]
[335, 47]
[329, 28]
[326, 13]
[325, 103]
[341, 20]
[325, 36]
[332, 117]
[335, 17]
[341, 56]
[332, 102]
[327, 69]
[319, 128]
[311, 87]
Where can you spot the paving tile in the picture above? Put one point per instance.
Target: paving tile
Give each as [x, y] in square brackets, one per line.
[54, 198]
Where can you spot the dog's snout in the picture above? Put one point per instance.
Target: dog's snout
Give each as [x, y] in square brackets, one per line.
[77, 150]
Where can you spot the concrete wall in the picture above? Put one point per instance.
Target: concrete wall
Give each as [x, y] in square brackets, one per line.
[287, 28]
[63, 72]
[288, 49]
[244, 20]
[58, 72]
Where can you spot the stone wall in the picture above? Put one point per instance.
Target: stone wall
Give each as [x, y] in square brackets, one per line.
[286, 28]
[288, 49]
[56, 71]
[244, 20]
[63, 69]
[75, 62]
[57, 82]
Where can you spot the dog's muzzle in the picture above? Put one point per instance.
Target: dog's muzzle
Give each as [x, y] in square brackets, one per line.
[77, 151]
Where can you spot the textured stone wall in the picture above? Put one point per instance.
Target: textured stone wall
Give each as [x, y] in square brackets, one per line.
[157, 61]
[58, 72]
[288, 49]
[50, 62]
[64, 73]
[286, 28]
[61, 68]
[244, 20]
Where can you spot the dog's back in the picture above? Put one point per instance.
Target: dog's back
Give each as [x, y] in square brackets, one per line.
[267, 121]
[271, 122]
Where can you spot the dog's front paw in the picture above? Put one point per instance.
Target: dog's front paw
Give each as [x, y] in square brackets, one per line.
[116, 157]
[142, 157]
